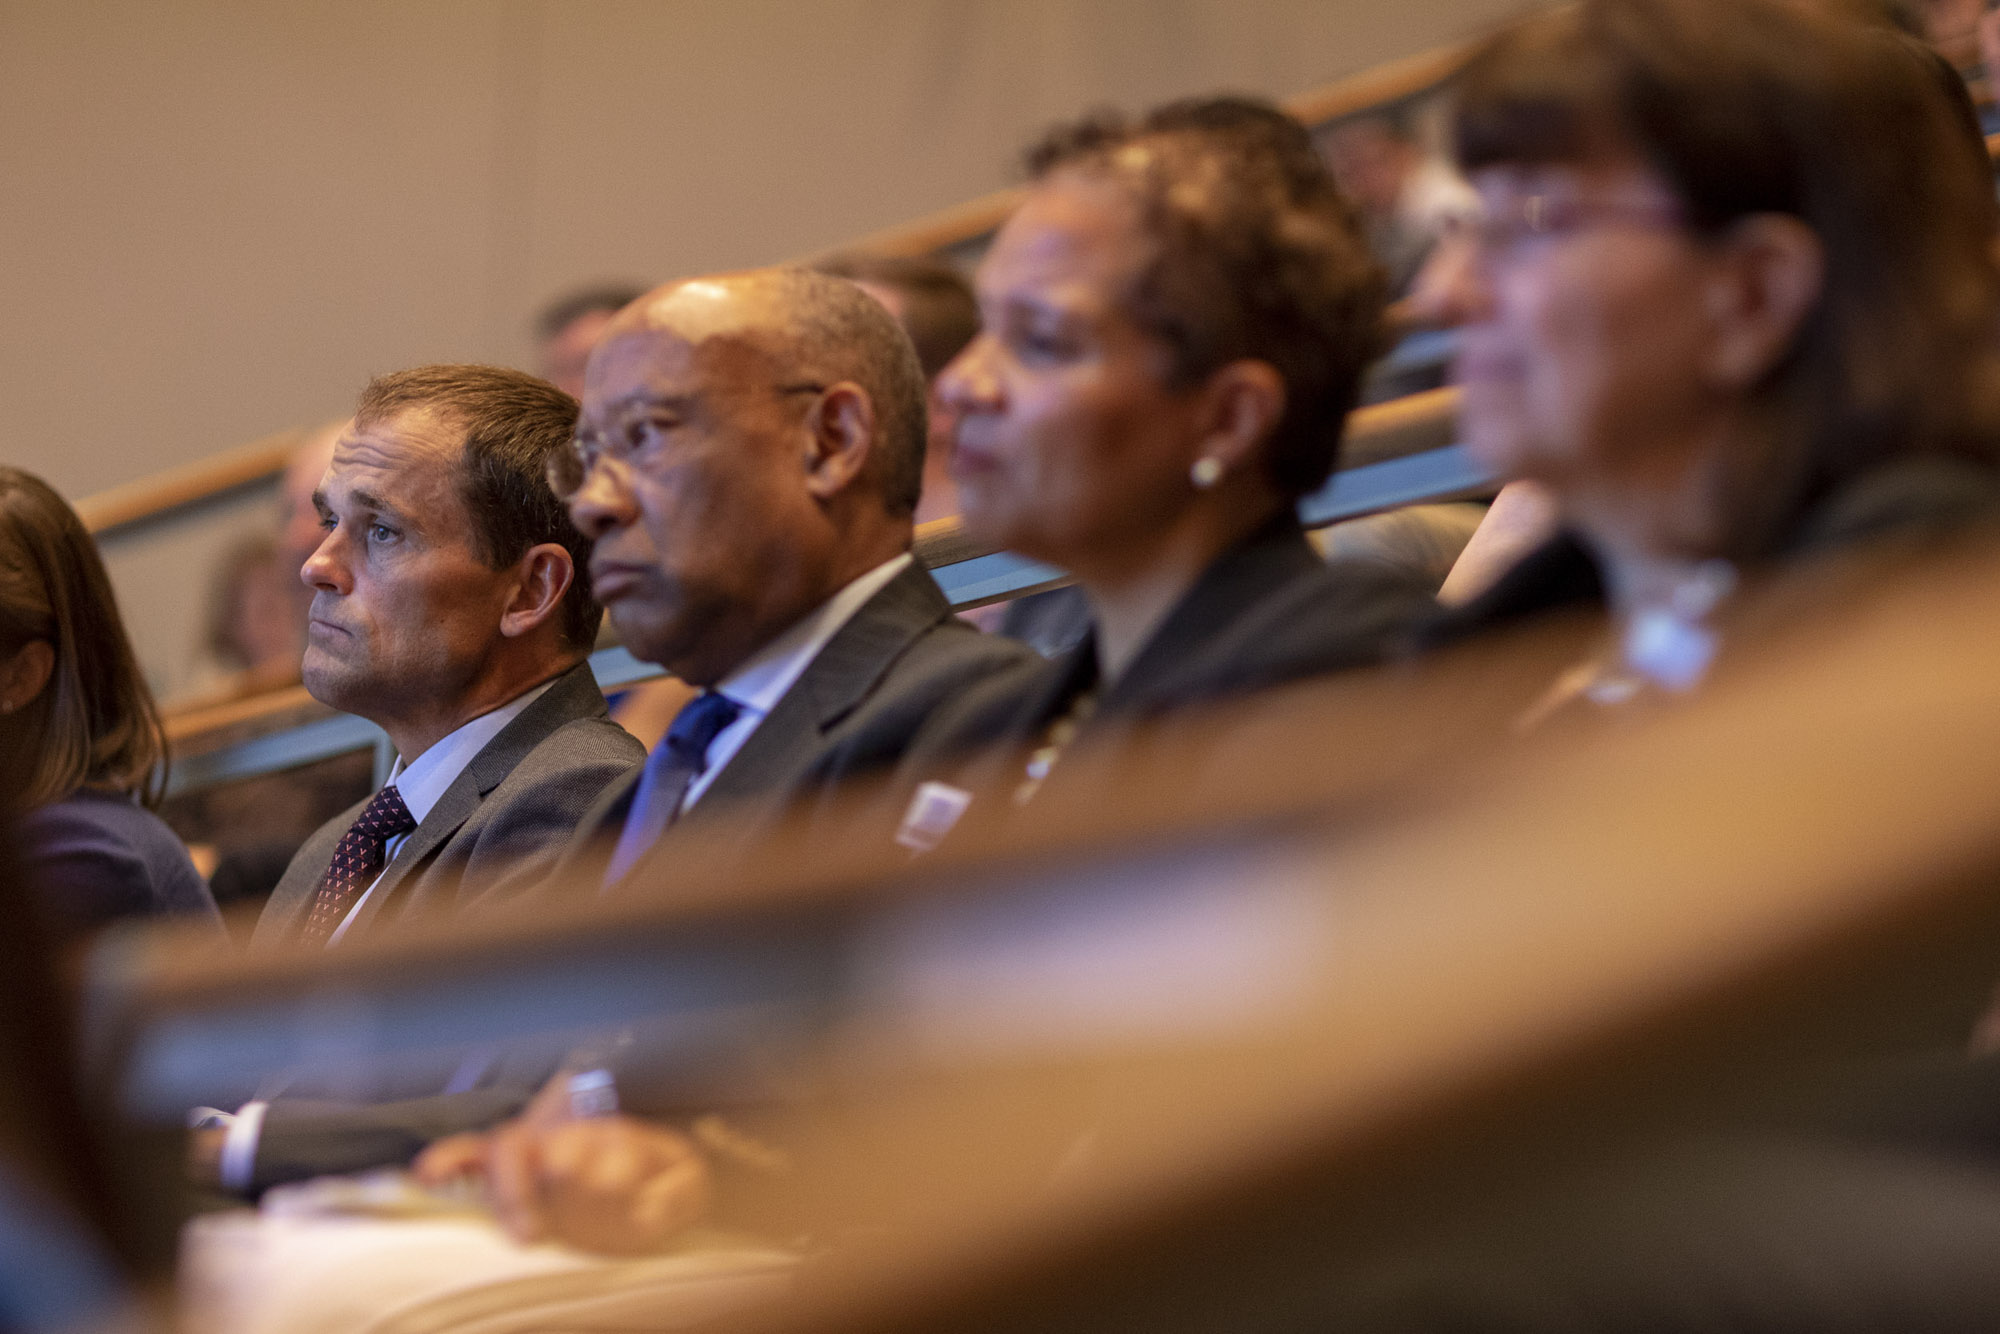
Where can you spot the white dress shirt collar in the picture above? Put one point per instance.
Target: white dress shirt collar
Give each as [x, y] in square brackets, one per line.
[762, 680]
[423, 780]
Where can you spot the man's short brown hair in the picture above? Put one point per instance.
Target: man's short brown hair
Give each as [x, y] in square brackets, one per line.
[513, 424]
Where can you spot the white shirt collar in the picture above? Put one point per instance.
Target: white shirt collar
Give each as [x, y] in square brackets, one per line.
[762, 680]
[423, 780]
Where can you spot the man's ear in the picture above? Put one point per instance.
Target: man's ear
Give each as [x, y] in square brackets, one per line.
[840, 437]
[26, 674]
[1240, 407]
[545, 573]
[1770, 269]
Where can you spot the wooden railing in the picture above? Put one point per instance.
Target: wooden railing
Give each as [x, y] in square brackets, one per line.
[1383, 86]
[1544, 938]
[163, 493]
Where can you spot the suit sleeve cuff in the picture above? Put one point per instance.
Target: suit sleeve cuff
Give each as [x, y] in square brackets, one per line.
[239, 1146]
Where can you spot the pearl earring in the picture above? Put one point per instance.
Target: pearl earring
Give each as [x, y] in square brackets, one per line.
[1207, 471]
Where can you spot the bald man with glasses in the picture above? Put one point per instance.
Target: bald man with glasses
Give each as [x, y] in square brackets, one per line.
[747, 466]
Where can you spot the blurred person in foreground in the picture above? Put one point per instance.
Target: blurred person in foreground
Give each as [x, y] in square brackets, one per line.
[1733, 305]
[1176, 322]
[1723, 342]
[82, 752]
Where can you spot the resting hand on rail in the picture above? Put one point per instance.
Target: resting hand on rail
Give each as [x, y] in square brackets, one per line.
[613, 1184]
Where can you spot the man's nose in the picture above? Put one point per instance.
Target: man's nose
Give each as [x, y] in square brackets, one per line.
[324, 569]
[603, 501]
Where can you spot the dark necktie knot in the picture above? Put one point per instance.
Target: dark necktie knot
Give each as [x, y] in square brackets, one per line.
[696, 726]
[357, 860]
[680, 758]
[385, 816]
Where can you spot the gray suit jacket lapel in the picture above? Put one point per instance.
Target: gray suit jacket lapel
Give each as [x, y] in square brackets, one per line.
[788, 742]
[574, 695]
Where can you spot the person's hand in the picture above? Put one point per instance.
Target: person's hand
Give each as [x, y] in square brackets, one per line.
[612, 1184]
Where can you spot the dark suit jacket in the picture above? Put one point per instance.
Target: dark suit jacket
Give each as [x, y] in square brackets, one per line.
[1910, 502]
[497, 828]
[1268, 612]
[853, 711]
[854, 708]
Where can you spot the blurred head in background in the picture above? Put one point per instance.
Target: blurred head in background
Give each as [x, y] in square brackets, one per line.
[934, 303]
[568, 328]
[74, 710]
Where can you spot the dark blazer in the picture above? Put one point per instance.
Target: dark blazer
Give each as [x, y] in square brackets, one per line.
[496, 829]
[1910, 501]
[1268, 612]
[94, 857]
[853, 711]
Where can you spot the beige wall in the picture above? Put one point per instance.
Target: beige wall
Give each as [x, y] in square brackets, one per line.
[219, 218]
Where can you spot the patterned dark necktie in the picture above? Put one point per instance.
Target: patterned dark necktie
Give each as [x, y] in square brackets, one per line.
[357, 860]
[670, 770]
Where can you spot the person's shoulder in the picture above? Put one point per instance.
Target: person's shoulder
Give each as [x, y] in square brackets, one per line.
[84, 822]
[102, 855]
[110, 821]
[581, 755]
[938, 670]
[955, 647]
[997, 706]
[1346, 613]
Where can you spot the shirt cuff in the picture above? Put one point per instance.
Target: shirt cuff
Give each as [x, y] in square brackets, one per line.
[239, 1146]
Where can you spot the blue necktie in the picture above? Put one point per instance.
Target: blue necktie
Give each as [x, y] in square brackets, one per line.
[672, 767]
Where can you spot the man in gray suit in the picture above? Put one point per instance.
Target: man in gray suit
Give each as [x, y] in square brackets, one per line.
[451, 607]
[747, 464]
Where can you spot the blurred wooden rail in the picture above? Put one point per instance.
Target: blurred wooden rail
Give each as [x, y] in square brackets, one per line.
[1693, 907]
[1379, 87]
[264, 459]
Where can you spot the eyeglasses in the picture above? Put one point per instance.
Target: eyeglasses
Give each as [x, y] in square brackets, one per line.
[627, 440]
[1501, 231]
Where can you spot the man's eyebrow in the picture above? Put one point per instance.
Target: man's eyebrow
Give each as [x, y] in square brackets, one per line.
[374, 504]
[639, 398]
